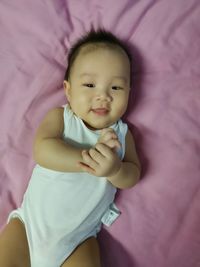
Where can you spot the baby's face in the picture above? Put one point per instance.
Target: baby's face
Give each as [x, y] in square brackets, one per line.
[99, 86]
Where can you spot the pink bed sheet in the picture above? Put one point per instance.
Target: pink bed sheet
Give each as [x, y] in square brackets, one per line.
[160, 221]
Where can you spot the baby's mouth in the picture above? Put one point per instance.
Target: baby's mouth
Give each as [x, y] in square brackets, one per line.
[100, 111]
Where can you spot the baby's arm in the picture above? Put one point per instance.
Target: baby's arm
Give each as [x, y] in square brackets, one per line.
[130, 169]
[49, 150]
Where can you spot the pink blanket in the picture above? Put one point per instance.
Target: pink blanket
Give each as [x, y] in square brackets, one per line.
[160, 221]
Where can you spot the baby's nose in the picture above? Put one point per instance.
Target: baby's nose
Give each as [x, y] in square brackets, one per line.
[105, 96]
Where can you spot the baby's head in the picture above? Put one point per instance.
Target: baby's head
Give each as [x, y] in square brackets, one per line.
[98, 77]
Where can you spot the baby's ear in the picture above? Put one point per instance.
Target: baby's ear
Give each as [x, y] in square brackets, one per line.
[67, 88]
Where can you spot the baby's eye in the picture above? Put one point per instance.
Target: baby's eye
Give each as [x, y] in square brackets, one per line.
[117, 87]
[90, 85]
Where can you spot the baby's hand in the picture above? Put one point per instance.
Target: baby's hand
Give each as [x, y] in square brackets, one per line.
[102, 160]
[109, 138]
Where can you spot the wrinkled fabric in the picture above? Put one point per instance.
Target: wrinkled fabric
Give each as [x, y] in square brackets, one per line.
[160, 221]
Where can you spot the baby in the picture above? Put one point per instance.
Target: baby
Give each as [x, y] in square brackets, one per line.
[84, 152]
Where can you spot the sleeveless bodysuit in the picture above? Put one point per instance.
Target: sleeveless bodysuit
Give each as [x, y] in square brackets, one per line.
[60, 210]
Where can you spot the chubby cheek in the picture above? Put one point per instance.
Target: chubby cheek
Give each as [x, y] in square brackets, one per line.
[121, 106]
[79, 101]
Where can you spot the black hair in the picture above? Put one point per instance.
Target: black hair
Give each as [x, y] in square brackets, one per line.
[99, 36]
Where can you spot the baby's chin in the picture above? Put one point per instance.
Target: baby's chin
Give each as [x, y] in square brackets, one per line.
[96, 127]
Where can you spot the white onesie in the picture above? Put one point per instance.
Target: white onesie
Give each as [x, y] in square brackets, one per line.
[60, 209]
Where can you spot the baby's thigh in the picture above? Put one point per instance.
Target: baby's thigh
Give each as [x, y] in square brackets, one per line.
[14, 246]
[85, 255]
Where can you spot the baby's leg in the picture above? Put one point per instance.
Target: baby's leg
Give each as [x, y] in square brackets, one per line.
[14, 246]
[85, 255]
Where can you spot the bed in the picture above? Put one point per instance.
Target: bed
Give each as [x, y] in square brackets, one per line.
[159, 225]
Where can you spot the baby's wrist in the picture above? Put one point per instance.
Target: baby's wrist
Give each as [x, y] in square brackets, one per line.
[114, 175]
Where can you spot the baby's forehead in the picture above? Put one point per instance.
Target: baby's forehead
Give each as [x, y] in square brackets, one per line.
[95, 47]
[91, 47]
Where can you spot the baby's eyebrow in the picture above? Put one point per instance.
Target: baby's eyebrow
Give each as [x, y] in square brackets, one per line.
[87, 74]
[120, 78]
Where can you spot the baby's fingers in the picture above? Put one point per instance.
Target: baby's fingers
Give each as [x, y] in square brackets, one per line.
[84, 167]
[108, 135]
[88, 158]
[113, 144]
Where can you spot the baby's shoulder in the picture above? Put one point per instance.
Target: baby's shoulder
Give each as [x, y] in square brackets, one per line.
[53, 121]
[55, 114]
[50, 127]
